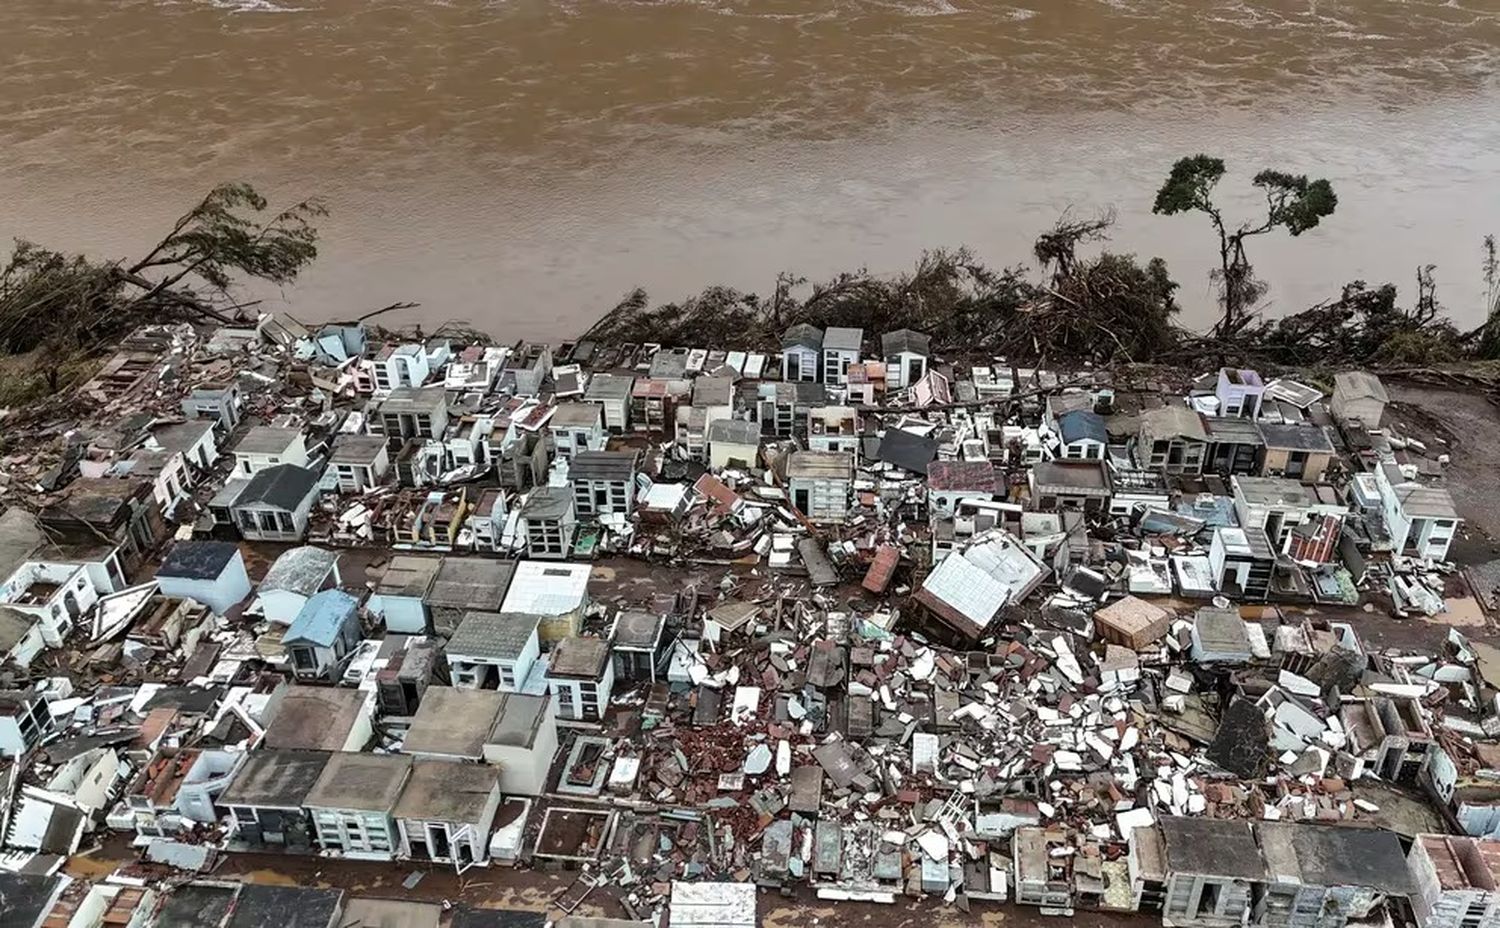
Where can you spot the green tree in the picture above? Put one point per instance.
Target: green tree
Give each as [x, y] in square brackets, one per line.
[1293, 203]
[62, 307]
[223, 237]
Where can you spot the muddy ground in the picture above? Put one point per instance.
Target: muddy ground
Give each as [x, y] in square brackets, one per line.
[1467, 426]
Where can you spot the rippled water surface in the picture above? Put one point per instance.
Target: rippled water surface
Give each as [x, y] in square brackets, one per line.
[521, 163]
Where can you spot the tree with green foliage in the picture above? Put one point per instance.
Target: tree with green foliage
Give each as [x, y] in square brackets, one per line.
[1293, 203]
[1366, 325]
[217, 240]
[1099, 308]
[62, 307]
[1105, 308]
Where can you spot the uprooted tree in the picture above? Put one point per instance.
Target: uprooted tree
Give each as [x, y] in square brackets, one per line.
[1293, 203]
[1103, 308]
[1106, 308]
[60, 307]
[1364, 324]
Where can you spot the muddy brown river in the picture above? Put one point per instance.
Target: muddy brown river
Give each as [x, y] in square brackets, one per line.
[522, 163]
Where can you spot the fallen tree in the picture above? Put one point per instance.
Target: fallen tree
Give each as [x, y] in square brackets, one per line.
[1102, 309]
[1363, 324]
[58, 308]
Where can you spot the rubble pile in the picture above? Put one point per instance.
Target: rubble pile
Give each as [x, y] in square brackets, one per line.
[909, 743]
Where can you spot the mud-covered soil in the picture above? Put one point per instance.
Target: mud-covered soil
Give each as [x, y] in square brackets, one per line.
[1467, 426]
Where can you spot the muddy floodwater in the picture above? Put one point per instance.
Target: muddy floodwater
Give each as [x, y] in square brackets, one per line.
[522, 163]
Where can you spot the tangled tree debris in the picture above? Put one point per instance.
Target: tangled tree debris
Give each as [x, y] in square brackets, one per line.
[60, 308]
[1102, 309]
